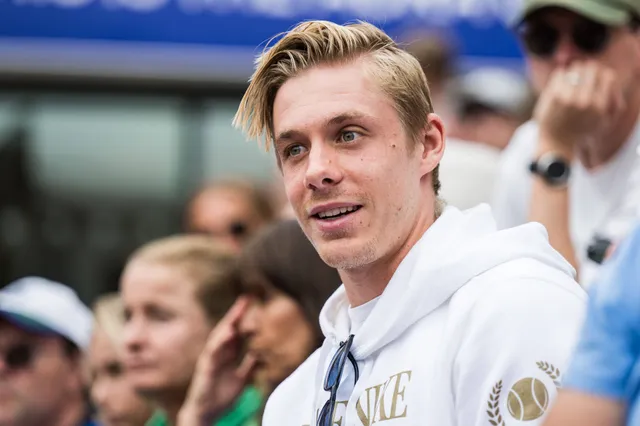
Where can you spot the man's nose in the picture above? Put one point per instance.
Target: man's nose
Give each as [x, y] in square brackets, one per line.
[323, 169]
[566, 52]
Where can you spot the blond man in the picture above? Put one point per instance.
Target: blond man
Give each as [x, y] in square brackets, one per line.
[442, 319]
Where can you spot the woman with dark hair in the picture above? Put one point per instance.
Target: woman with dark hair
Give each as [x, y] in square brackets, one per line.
[273, 327]
[283, 263]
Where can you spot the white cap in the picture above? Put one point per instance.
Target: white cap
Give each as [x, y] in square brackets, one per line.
[498, 88]
[38, 305]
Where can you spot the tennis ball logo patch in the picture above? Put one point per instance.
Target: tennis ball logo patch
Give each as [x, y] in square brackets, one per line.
[526, 400]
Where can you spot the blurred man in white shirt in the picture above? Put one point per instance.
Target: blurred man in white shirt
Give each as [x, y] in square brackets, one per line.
[571, 167]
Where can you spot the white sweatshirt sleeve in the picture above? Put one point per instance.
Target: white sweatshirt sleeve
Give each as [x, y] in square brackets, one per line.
[518, 337]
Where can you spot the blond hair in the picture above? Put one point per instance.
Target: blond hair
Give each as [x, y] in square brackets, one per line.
[108, 311]
[313, 43]
[205, 261]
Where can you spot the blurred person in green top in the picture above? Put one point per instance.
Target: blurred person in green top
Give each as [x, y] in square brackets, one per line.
[174, 291]
[272, 328]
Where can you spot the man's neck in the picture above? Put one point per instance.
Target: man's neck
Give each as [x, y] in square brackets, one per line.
[595, 153]
[368, 282]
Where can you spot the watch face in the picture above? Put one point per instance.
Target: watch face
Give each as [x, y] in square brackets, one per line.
[556, 170]
[553, 169]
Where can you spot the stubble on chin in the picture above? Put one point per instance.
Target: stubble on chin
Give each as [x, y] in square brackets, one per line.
[347, 258]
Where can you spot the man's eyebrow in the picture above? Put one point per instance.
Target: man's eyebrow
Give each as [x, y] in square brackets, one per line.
[333, 121]
[288, 134]
[339, 119]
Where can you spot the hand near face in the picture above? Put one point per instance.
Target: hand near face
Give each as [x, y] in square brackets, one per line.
[218, 379]
[581, 103]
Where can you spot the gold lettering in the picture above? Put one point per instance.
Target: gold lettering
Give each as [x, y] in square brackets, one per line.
[374, 397]
[367, 419]
[381, 414]
[397, 394]
[338, 422]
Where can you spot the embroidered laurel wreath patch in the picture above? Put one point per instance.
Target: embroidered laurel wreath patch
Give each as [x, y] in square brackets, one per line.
[526, 400]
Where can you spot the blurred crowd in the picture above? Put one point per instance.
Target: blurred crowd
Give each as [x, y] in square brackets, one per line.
[235, 298]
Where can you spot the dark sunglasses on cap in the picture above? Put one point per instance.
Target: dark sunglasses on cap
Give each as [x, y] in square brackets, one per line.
[332, 380]
[542, 39]
[19, 357]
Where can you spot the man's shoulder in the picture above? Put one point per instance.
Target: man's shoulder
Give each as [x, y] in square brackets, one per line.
[289, 393]
[521, 285]
[526, 317]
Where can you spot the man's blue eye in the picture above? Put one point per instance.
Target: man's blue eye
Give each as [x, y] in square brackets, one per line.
[349, 136]
[294, 150]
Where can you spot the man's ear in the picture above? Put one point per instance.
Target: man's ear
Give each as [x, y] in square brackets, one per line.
[433, 143]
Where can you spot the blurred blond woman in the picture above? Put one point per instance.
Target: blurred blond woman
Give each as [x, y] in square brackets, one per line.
[116, 401]
[175, 290]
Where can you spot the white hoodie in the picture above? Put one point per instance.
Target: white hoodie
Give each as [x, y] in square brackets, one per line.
[474, 328]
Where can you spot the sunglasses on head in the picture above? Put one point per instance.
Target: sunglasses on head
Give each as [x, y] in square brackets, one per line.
[542, 39]
[19, 357]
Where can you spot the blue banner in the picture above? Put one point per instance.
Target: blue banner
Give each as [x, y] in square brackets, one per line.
[88, 32]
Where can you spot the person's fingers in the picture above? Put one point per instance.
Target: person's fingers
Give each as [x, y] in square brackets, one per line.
[570, 84]
[603, 93]
[549, 97]
[224, 342]
[220, 352]
[619, 99]
[236, 312]
[221, 335]
[609, 99]
[226, 330]
[226, 347]
[247, 368]
[586, 89]
[556, 84]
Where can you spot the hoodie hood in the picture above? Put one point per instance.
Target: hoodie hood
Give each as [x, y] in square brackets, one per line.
[456, 248]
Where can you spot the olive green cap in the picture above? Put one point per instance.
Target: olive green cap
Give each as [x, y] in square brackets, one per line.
[607, 12]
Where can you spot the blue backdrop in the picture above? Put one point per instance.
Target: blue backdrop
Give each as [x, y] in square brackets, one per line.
[29, 28]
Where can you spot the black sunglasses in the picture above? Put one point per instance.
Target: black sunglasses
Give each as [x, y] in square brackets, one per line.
[238, 229]
[19, 357]
[332, 380]
[542, 39]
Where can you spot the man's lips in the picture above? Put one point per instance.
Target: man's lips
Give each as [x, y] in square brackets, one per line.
[329, 210]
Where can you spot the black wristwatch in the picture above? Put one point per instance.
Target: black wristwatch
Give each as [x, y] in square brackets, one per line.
[552, 168]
